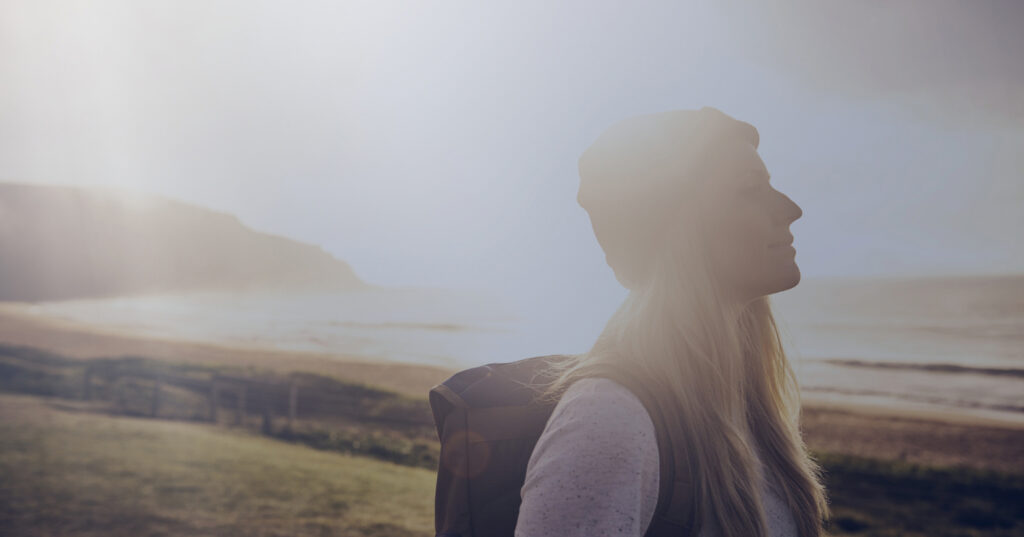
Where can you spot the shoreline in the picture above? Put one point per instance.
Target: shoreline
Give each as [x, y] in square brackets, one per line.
[922, 437]
[911, 435]
[879, 411]
[77, 340]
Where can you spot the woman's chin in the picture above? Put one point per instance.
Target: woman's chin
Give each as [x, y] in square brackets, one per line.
[794, 279]
[786, 280]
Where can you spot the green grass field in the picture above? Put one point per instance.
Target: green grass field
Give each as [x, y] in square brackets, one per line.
[80, 473]
[877, 498]
[69, 470]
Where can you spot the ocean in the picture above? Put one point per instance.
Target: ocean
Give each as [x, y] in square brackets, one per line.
[951, 344]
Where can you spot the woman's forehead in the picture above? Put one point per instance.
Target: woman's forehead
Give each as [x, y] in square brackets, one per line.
[734, 160]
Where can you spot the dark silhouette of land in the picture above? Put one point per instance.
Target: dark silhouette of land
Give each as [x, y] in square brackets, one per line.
[69, 242]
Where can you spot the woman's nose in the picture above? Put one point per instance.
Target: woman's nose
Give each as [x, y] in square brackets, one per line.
[789, 211]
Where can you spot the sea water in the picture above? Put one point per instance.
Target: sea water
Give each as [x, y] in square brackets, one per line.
[952, 345]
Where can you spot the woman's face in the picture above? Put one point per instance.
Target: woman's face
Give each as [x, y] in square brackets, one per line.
[747, 223]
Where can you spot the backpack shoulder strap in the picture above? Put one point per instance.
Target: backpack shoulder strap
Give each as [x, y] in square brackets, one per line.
[488, 420]
[674, 513]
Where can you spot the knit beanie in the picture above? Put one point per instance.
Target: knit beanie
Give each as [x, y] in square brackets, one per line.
[644, 169]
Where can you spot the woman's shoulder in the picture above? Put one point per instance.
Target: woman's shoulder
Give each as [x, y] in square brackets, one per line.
[595, 468]
[601, 391]
[602, 407]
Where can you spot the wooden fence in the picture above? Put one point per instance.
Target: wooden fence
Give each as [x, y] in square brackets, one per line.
[287, 397]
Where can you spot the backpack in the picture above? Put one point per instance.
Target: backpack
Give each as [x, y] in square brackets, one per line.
[489, 419]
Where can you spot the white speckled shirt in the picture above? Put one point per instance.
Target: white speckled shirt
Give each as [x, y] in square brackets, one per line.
[595, 470]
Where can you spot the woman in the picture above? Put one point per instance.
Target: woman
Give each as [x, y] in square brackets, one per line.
[682, 206]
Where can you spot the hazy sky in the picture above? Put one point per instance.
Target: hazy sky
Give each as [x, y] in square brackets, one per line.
[435, 143]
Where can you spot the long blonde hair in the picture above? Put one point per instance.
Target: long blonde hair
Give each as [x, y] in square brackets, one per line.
[725, 368]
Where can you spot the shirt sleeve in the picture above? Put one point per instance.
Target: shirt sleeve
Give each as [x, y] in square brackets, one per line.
[595, 469]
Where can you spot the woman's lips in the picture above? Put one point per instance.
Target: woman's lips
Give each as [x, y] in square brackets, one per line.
[788, 241]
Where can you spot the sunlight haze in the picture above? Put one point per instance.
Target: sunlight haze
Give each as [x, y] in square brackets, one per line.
[435, 144]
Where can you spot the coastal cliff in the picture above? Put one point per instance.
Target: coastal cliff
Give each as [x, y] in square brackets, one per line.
[68, 242]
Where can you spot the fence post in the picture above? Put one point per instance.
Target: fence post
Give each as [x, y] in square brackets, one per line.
[293, 402]
[268, 416]
[214, 399]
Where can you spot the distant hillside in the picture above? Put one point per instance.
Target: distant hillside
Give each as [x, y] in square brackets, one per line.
[66, 242]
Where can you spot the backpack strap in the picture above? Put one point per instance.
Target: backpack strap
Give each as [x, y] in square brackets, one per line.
[488, 420]
[674, 513]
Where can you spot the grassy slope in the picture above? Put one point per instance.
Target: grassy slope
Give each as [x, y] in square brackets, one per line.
[82, 473]
[92, 474]
[76, 473]
[880, 498]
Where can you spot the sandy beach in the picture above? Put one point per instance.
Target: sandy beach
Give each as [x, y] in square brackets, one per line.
[75, 340]
[884, 433]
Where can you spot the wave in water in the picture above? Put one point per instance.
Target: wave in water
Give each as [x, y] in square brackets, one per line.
[916, 398]
[442, 327]
[932, 368]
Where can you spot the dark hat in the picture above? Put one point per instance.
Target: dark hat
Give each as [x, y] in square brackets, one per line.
[640, 170]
